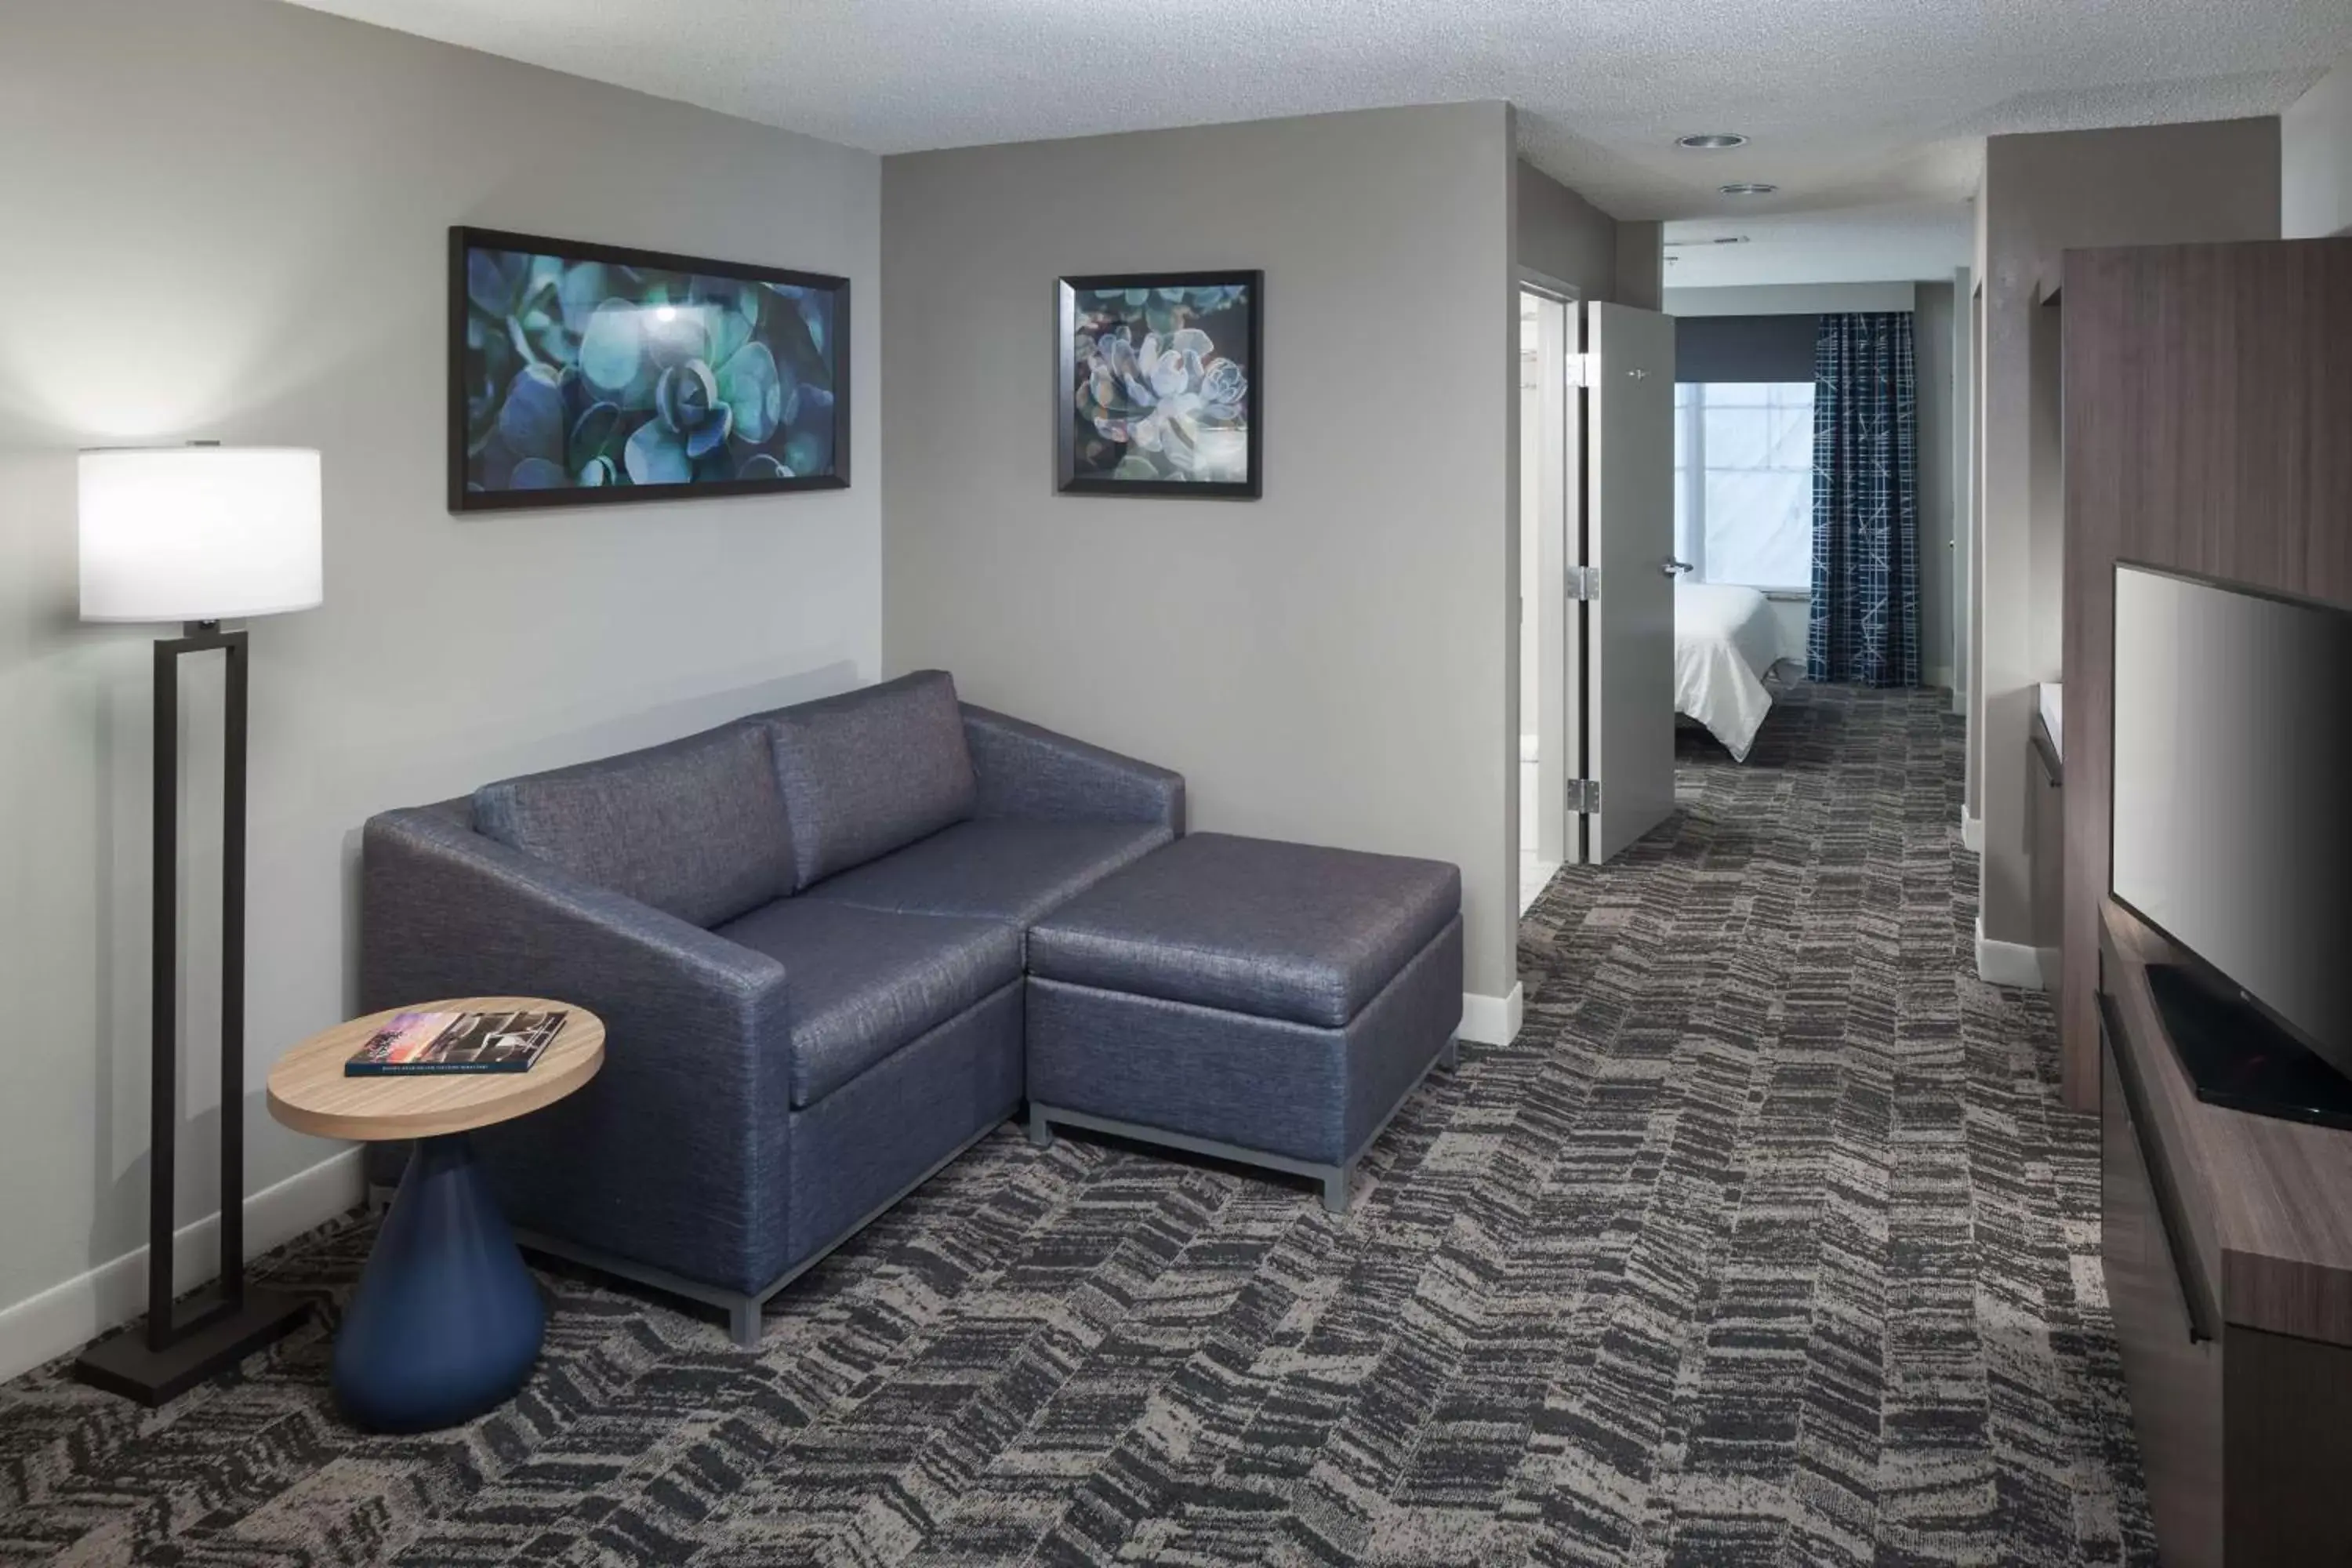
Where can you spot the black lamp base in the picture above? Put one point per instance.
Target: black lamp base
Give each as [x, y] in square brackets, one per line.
[214, 1338]
[219, 1326]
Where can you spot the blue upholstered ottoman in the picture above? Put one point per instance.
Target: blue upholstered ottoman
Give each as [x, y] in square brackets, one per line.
[1264, 1002]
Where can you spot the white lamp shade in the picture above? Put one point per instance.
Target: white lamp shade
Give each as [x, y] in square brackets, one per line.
[199, 534]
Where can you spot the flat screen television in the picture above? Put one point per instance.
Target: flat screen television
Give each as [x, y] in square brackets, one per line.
[2232, 821]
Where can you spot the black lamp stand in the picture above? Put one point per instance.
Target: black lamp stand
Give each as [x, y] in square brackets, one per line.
[183, 1343]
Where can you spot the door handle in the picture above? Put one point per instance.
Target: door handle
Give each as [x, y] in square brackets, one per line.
[1671, 567]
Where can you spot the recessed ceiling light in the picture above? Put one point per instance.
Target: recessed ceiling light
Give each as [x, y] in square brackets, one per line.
[1711, 141]
[1748, 188]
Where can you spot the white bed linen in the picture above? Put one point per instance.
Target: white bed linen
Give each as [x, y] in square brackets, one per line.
[1725, 641]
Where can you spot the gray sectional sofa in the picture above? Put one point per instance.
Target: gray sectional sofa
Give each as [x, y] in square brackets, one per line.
[813, 935]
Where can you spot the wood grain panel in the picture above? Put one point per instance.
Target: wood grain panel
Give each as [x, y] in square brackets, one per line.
[2208, 404]
[2175, 1382]
[2268, 1203]
[2285, 1436]
[309, 1091]
[2171, 1104]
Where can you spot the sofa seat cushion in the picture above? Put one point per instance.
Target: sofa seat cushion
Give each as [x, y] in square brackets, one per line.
[999, 870]
[1251, 925]
[695, 828]
[869, 771]
[865, 983]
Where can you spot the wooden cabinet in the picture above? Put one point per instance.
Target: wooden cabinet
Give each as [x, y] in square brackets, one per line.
[2172, 1365]
[2227, 1244]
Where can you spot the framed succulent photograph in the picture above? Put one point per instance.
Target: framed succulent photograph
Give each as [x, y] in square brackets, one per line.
[582, 374]
[1161, 385]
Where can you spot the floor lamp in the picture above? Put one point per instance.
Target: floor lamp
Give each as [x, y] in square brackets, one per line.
[199, 534]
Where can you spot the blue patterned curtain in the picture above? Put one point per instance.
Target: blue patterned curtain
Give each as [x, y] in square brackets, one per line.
[1865, 618]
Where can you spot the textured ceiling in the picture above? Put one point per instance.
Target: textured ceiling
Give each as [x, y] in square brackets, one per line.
[1851, 102]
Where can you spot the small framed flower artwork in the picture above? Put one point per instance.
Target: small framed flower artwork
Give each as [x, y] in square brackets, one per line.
[1161, 385]
[584, 373]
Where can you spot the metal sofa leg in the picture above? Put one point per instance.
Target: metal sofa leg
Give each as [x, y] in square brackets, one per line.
[1040, 1133]
[1334, 1188]
[1451, 1056]
[743, 1321]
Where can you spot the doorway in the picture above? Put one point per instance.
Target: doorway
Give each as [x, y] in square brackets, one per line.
[1550, 740]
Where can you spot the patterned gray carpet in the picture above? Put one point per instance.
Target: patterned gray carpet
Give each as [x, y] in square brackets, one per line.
[1766, 1243]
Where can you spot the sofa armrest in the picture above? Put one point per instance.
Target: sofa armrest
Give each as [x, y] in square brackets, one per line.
[1026, 771]
[675, 1154]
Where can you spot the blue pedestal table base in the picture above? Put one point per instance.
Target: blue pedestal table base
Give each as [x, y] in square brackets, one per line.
[447, 1321]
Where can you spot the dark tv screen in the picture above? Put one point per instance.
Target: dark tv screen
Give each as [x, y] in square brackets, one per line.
[2233, 825]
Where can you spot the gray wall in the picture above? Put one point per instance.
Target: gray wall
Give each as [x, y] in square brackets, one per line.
[2315, 159]
[1333, 663]
[2044, 195]
[1564, 236]
[235, 227]
[1642, 265]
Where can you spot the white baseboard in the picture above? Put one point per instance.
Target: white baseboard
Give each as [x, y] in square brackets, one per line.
[2010, 963]
[1972, 833]
[68, 1316]
[1494, 1020]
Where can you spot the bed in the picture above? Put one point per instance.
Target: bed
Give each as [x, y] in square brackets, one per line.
[1726, 640]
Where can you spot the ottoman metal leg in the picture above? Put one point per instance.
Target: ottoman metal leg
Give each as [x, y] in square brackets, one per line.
[1041, 1134]
[1451, 1057]
[447, 1321]
[1334, 1188]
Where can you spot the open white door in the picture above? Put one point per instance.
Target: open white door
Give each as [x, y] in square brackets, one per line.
[1629, 534]
[1548, 442]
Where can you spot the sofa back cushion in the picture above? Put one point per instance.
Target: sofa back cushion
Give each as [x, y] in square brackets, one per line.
[871, 771]
[695, 828]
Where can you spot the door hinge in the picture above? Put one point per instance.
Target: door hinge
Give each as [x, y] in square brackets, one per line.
[1583, 584]
[1584, 795]
[1583, 369]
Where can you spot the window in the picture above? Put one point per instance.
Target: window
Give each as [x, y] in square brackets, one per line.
[1744, 482]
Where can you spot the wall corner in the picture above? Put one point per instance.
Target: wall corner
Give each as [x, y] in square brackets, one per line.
[1641, 266]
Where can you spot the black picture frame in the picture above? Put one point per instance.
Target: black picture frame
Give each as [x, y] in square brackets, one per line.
[1068, 480]
[463, 239]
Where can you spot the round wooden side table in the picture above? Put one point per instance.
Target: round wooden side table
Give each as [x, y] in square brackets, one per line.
[447, 1321]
